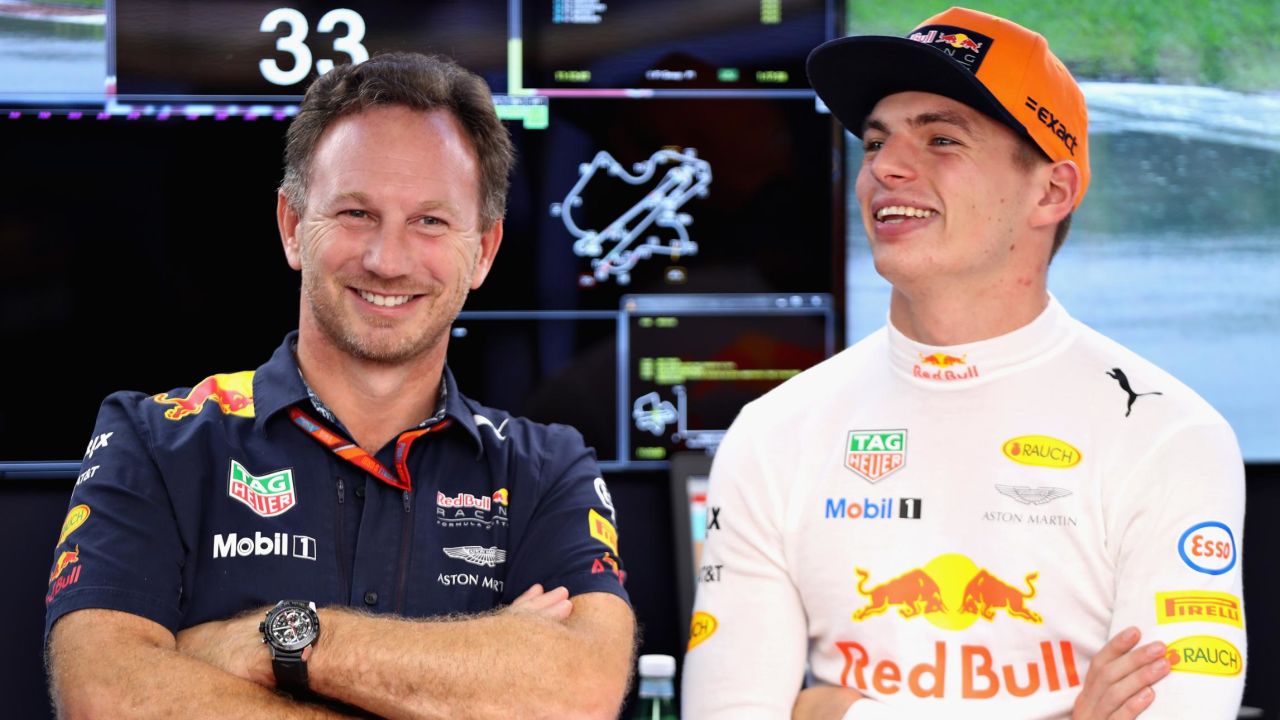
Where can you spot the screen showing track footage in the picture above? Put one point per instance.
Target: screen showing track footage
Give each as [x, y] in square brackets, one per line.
[670, 44]
[660, 195]
[693, 361]
[270, 48]
[550, 367]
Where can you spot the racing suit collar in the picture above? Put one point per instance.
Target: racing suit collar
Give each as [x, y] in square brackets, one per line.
[953, 367]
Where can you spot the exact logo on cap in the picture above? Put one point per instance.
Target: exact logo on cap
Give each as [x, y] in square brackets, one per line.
[1208, 547]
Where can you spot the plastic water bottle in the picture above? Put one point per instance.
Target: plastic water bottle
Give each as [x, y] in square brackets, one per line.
[657, 688]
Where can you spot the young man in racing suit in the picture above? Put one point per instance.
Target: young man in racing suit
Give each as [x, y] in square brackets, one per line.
[980, 509]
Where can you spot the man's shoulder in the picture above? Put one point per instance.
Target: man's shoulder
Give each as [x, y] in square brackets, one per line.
[1120, 374]
[216, 399]
[815, 386]
[176, 417]
[505, 432]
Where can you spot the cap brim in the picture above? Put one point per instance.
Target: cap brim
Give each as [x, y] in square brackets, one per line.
[852, 74]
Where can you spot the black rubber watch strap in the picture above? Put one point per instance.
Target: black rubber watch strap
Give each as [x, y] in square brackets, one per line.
[291, 673]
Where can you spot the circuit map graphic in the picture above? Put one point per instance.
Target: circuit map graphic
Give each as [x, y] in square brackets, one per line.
[633, 234]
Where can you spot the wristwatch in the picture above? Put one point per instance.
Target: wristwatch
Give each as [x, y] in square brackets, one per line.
[291, 627]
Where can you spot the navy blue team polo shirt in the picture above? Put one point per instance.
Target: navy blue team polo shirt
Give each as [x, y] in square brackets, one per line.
[198, 504]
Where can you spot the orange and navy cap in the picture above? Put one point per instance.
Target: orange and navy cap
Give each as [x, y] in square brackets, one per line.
[988, 63]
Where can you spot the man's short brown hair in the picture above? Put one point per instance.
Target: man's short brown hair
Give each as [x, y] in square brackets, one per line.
[415, 81]
[1027, 156]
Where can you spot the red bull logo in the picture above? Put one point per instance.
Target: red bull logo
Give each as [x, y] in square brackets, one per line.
[960, 41]
[941, 360]
[944, 368]
[62, 583]
[986, 593]
[982, 675]
[913, 593]
[232, 392]
[66, 558]
[466, 500]
[951, 592]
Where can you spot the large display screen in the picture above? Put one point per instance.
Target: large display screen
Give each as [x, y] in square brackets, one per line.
[670, 44]
[665, 149]
[694, 234]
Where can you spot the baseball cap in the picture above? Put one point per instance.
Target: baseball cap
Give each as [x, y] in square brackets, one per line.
[988, 63]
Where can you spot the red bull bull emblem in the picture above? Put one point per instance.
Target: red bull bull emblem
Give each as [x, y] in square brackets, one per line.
[951, 592]
[58, 581]
[65, 558]
[876, 454]
[943, 367]
[232, 392]
[960, 41]
[963, 45]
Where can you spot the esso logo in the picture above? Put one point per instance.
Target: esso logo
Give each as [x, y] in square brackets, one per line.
[1208, 548]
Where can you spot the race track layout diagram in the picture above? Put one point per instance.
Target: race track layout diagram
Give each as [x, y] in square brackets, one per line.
[633, 236]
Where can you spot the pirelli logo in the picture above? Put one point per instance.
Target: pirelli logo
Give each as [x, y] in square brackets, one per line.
[1199, 606]
[602, 530]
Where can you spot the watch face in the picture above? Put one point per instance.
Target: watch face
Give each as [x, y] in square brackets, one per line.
[291, 627]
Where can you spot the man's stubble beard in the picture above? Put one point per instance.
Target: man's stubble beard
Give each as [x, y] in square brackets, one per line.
[407, 345]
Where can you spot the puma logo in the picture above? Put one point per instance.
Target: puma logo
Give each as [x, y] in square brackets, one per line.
[1119, 376]
[482, 420]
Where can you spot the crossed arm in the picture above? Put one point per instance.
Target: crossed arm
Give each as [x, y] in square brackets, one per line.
[545, 655]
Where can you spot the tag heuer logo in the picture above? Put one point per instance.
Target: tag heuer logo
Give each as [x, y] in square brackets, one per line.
[876, 454]
[267, 495]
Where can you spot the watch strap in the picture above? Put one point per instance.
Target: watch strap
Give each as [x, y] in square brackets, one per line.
[291, 672]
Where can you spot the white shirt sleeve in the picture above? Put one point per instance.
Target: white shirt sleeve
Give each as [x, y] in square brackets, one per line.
[748, 646]
[1174, 531]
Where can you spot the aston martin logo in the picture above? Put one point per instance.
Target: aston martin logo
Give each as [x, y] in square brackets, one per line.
[1032, 495]
[476, 555]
